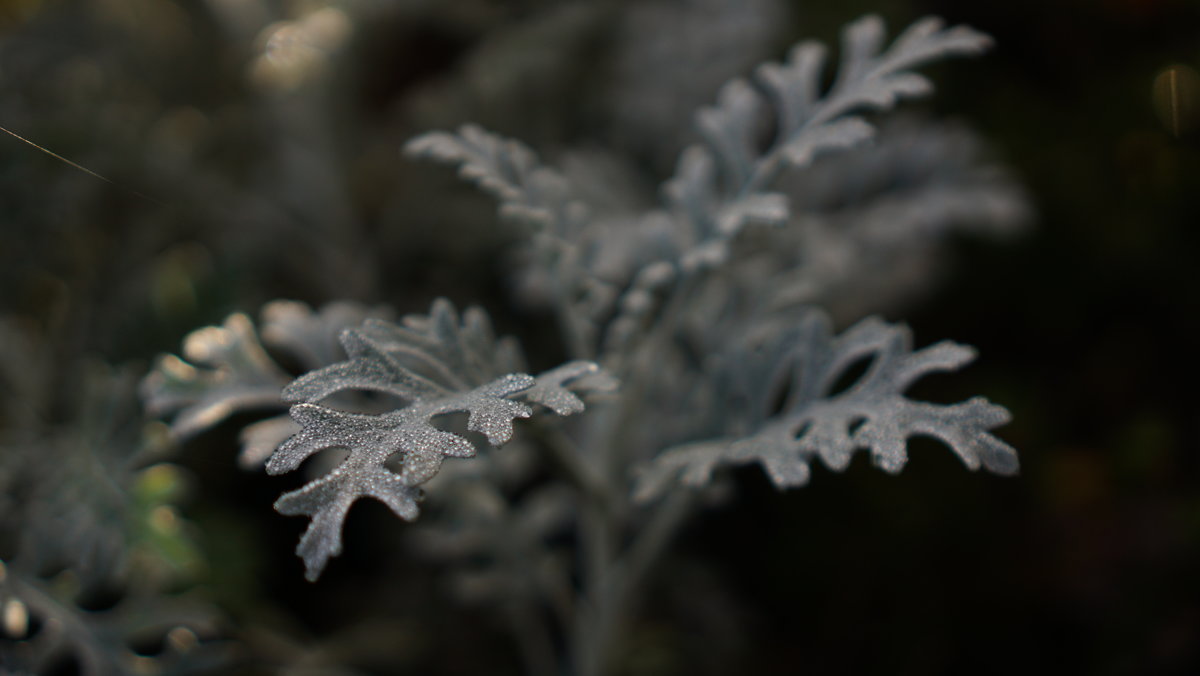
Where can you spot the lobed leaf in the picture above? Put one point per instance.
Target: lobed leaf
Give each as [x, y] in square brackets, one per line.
[802, 367]
[732, 167]
[227, 369]
[509, 171]
[438, 364]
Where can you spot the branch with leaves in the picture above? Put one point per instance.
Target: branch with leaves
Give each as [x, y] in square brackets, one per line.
[437, 366]
[718, 363]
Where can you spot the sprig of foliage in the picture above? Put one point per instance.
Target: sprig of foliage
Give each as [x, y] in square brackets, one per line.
[778, 406]
[723, 184]
[704, 315]
[228, 369]
[436, 366]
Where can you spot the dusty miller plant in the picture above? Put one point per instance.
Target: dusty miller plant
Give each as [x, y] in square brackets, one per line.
[101, 555]
[693, 335]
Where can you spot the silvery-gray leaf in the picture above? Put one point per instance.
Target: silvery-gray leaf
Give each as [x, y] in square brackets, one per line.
[563, 388]
[801, 367]
[420, 356]
[312, 337]
[509, 171]
[372, 439]
[229, 371]
[436, 364]
[732, 167]
[226, 369]
[259, 440]
[730, 130]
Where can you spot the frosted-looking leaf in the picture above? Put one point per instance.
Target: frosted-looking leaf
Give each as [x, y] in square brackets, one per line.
[867, 79]
[371, 440]
[230, 371]
[801, 367]
[311, 337]
[724, 183]
[509, 171]
[227, 369]
[436, 364]
[260, 439]
[712, 219]
[558, 389]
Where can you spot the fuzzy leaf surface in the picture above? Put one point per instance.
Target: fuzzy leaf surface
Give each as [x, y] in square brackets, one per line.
[724, 183]
[227, 369]
[802, 367]
[437, 364]
[508, 170]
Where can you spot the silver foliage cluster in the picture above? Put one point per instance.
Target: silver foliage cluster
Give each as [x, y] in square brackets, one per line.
[700, 319]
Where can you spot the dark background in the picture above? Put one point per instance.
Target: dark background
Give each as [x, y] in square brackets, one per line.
[1088, 562]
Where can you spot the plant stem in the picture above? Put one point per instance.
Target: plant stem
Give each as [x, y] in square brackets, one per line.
[566, 455]
[601, 619]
